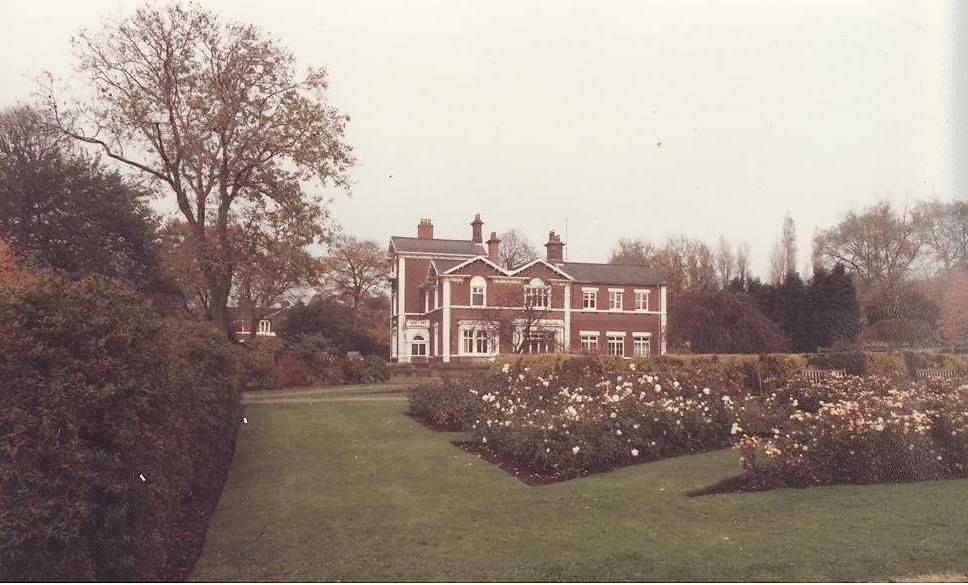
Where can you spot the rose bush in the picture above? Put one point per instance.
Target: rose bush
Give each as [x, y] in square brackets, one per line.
[599, 421]
[862, 430]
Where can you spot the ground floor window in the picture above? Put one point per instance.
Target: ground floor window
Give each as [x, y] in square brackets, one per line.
[541, 341]
[616, 345]
[418, 345]
[476, 341]
[642, 345]
[589, 342]
[265, 327]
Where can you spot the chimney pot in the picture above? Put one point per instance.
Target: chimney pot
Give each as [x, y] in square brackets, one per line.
[555, 248]
[425, 229]
[493, 247]
[476, 229]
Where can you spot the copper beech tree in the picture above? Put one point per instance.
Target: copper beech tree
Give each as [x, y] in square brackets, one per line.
[216, 113]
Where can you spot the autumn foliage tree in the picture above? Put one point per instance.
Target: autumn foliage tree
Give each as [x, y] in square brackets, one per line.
[723, 322]
[213, 111]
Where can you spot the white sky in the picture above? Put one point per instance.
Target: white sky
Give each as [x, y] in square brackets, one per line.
[533, 112]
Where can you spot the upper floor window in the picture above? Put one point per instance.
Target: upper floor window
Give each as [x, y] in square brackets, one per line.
[589, 299]
[537, 295]
[478, 292]
[642, 300]
[615, 300]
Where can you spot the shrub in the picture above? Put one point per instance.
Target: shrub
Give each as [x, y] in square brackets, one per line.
[116, 430]
[371, 370]
[289, 370]
[448, 403]
[867, 430]
[257, 366]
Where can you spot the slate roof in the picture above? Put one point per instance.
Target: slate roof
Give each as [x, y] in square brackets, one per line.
[612, 273]
[445, 264]
[435, 246]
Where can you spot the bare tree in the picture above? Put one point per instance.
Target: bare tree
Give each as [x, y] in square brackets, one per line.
[516, 249]
[212, 110]
[783, 260]
[743, 262]
[725, 262]
[636, 252]
[354, 270]
[943, 228]
[518, 319]
[878, 246]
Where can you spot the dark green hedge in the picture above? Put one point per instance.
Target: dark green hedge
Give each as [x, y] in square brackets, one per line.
[96, 393]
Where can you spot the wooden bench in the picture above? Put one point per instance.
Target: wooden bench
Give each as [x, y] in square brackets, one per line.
[819, 375]
[944, 374]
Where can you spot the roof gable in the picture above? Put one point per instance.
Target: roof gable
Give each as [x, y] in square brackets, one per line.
[541, 268]
[460, 266]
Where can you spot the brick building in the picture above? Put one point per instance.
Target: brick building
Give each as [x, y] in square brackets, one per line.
[451, 301]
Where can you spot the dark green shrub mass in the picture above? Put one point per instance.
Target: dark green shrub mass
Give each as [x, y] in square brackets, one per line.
[116, 431]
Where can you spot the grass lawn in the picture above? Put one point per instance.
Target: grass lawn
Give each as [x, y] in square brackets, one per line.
[360, 492]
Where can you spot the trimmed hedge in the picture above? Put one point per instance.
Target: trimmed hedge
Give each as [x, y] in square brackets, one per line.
[768, 370]
[734, 374]
[116, 432]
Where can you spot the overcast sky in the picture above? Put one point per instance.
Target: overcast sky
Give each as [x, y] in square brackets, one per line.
[638, 119]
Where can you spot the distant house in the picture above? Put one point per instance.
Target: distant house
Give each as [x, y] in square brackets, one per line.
[264, 325]
[451, 301]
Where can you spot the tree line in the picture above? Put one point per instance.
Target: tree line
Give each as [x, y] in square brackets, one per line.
[881, 276]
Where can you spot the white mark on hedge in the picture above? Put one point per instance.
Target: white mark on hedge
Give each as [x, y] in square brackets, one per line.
[142, 477]
[245, 420]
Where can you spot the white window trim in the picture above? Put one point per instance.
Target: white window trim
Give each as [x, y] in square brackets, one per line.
[642, 334]
[589, 333]
[617, 294]
[647, 293]
[616, 333]
[589, 289]
[481, 283]
[493, 343]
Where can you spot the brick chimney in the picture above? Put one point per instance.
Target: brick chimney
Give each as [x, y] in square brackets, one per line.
[425, 229]
[555, 248]
[476, 227]
[493, 247]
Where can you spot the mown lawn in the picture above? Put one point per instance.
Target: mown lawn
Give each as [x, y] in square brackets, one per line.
[360, 492]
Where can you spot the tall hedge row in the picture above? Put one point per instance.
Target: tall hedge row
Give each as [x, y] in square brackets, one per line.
[116, 431]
